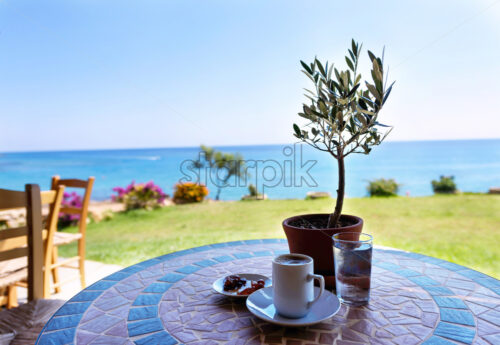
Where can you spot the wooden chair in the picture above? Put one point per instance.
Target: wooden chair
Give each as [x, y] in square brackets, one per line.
[13, 241]
[15, 270]
[62, 238]
[21, 325]
[54, 199]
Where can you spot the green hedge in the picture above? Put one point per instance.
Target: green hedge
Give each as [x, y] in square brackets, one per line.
[383, 187]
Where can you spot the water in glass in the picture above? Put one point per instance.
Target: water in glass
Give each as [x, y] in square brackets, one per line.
[353, 269]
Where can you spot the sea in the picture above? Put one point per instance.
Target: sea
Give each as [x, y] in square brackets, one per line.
[279, 171]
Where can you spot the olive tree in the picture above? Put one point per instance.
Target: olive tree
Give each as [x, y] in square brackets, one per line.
[342, 112]
[221, 166]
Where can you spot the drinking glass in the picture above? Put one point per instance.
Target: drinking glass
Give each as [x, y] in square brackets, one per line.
[353, 266]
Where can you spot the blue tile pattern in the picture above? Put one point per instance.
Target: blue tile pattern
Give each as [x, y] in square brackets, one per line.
[86, 296]
[141, 313]
[478, 277]
[450, 308]
[100, 285]
[206, 263]
[119, 275]
[405, 272]
[455, 332]
[72, 308]
[438, 290]
[242, 255]
[161, 338]
[56, 338]
[457, 316]
[147, 299]
[144, 327]
[171, 278]
[188, 269]
[456, 321]
[449, 302]
[423, 281]
[62, 322]
[252, 242]
[158, 287]
[224, 258]
[434, 340]
[263, 253]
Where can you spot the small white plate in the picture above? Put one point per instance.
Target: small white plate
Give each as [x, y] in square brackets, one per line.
[260, 303]
[218, 285]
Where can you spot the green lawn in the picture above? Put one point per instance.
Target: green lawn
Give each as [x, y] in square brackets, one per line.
[464, 229]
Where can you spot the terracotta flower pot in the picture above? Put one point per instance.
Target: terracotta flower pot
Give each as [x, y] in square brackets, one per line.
[318, 243]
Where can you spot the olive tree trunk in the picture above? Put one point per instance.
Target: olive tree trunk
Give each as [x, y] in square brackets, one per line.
[333, 220]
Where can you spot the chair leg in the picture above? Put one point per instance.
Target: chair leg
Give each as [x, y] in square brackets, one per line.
[55, 271]
[47, 272]
[12, 297]
[81, 266]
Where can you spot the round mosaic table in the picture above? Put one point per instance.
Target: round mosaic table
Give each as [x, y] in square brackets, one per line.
[169, 300]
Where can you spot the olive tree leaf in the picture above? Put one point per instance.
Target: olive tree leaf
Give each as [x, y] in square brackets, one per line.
[373, 90]
[297, 131]
[372, 56]
[366, 112]
[320, 68]
[309, 76]
[307, 68]
[353, 57]
[358, 79]
[362, 119]
[387, 93]
[382, 125]
[349, 63]
[376, 69]
[353, 90]
[322, 106]
[354, 47]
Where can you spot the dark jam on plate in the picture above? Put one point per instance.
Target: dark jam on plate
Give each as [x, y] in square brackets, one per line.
[235, 282]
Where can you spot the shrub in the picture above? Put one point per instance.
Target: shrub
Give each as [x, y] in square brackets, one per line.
[252, 190]
[318, 195]
[189, 192]
[141, 195]
[445, 185]
[253, 194]
[69, 200]
[383, 187]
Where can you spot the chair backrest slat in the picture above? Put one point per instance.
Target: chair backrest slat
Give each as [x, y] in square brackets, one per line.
[48, 196]
[31, 200]
[71, 210]
[73, 183]
[14, 242]
[10, 199]
[13, 232]
[13, 253]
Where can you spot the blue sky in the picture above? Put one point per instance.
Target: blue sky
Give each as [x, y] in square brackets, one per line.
[121, 74]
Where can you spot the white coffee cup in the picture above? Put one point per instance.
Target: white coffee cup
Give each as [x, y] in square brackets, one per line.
[293, 285]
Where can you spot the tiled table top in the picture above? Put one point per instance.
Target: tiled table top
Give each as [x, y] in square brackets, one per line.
[168, 300]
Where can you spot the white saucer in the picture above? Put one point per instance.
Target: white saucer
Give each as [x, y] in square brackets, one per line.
[218, 285]
[260, 303]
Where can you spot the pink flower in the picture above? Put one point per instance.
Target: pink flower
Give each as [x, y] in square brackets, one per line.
[141, 195]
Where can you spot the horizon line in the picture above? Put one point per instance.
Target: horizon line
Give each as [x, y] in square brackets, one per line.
[223, 146]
